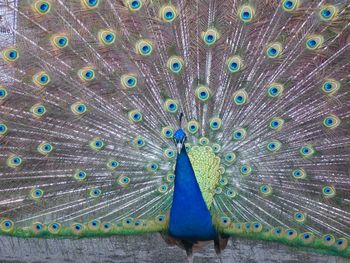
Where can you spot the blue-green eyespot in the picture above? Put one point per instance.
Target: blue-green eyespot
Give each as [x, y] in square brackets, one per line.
[211, 36]
[168, 13]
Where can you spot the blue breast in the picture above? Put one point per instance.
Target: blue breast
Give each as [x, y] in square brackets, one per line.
[190, 218]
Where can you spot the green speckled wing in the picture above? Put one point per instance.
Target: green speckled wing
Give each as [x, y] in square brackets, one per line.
[90, 97]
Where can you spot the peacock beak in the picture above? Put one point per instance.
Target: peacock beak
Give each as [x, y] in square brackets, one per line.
[179, 147]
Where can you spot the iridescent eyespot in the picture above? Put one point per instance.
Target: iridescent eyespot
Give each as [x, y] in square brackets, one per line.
[134, 5]
[275, 90]
[203, 141]
[274, 50]
[169, 153]
[246, 13]
[161, 219]
[328, 12]
[215, 123]
[276, 123]
[216, 147]
[106, 37]
[192, 126]
[277, 231]
[256, 227]
[168, 132]
[290, 5]
[210, 36]
[234, 64]
[36, 193]
[291, 234]
[106, 227]
[78, 108]
[90, 4]
[14, 161]
[223, 181]
[300, 217]
[163, 188]
[135, 116]
[45, 148]
[168, 13]
[3, 129]
[175, 64]
[42, 7]
[265, 190]
[341, 243]
[203, 93]
[38, 227]
[299, 173]
[54, 228]
[59, 41]
[274, 146]
[230, 193]
[314, 42]
[328, 240]
[170, 177]
[218, 190]
[152, 167]
[128, 222]
[3, 94]
[41, 79]
[139, 142]
[86, 74]
[123, 181]
[328, 191]
[80, 175]
[230, 158]
[144, 47]
[94, 224]
[38, 110]
[112, 164]
[10, 54]
[96, 144]
[171, 105]
[225, 221]
[307, 151]
[240, 97]
[239, 134]
[245, 169]
[77, 228]
[7, 225]
[128, 81]
[307, 237]
[95, 192]
[330, 86]
[331, 121]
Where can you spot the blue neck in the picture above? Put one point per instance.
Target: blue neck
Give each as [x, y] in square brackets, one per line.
[190, 218]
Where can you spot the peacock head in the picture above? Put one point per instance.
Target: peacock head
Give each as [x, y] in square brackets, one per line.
[179, 139]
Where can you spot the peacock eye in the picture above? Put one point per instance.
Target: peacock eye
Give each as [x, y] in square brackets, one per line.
[274, 50]
[240, 97]
[36, 194]
[330, 86]
[144, 47]
[234, 64]
[175, 64]
[86, 74]
[328, 12]
[134, 5]
[95, 192]
[246, 169]
[41, 79]
[307, 151]
[168, 13]
[106, 37]
[275, 90]
[274, 146]
[10, 54]
[42, 7]
[135, 116]
[3, 129]
[210, 36]
[328, 191]
[171, 105]
[331, 121]
[123, 181]
[290, 5]
[192, 126]
[265, 190]
[128, 81]
[78, 108]
[167, 132]
[14, 161]
[299, 173]
[203, 93]
[239, 134]
[138, 142]
[90, 4]
[59, 41]
[246, 13]
[45, 148]
[314, 42]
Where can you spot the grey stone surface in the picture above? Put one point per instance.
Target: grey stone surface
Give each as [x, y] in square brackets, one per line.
[147, 249]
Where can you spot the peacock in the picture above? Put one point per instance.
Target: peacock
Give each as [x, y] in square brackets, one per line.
[199, 120]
